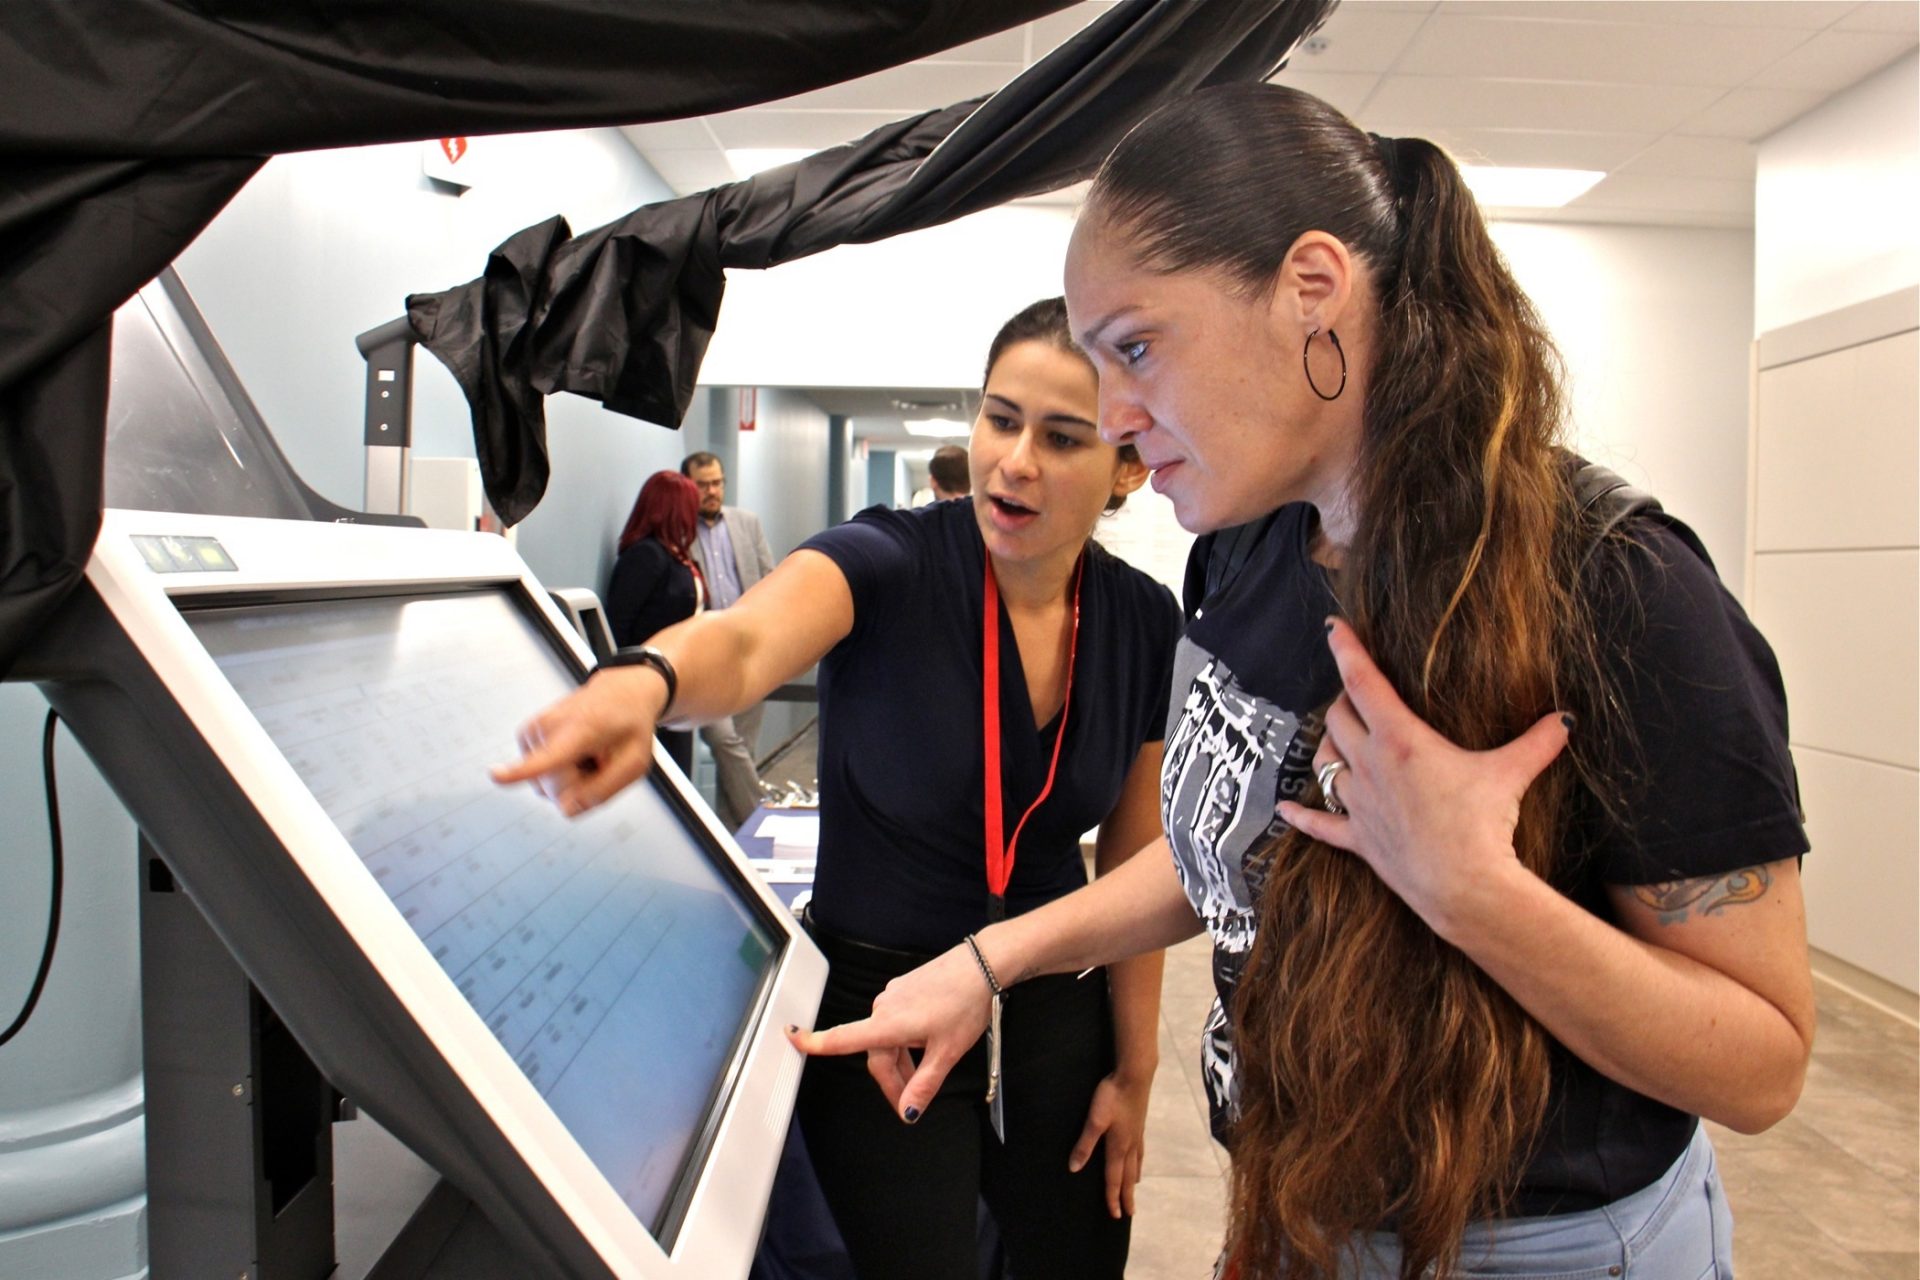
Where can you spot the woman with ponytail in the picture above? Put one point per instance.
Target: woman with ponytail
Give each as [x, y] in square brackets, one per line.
[1478, 782]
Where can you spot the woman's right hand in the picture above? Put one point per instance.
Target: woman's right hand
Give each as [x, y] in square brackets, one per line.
[942, 1007]
[585, 747]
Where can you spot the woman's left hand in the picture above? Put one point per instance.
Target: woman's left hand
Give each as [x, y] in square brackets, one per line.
[1119, 1112]
[1435, 821]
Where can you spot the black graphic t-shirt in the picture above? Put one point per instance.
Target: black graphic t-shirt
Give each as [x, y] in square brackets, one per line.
[902, 769]
[1253, 677]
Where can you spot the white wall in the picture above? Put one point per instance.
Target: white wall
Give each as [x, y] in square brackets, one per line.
[914, 311]
[1654, 323]
[1837, 520]
[1836, 200]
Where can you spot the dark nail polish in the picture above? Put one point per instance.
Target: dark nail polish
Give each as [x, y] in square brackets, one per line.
[793, 1029]
[913, 1113]
[1570, 720]
[1329, 626]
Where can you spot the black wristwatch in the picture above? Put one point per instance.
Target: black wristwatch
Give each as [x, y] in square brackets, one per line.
[645, 656]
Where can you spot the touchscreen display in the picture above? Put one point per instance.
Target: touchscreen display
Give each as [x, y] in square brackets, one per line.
[609, 954]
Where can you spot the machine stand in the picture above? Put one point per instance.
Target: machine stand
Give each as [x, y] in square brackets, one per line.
[239, 1136]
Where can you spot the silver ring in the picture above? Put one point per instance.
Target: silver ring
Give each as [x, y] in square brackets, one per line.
[1327, 772]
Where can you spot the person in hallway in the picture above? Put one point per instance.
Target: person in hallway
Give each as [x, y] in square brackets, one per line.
[655, 582]
[947, 473]
[976, 658]
[1478, 778]
[731, 550]
[947, 477]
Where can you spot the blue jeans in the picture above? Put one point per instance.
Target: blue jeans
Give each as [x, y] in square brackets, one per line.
[1678, 1228]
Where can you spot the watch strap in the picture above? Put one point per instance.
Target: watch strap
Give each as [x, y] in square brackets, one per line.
[645, 656]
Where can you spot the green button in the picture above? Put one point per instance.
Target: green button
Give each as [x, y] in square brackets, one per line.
[210, 556]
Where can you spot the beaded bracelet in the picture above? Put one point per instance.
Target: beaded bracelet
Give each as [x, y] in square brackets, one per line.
[996, 1108]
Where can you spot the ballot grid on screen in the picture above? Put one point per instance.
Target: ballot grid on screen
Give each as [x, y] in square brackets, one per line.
[609, 955]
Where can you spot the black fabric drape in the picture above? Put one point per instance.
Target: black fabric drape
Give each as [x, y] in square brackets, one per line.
[125, 125]
[623, 313]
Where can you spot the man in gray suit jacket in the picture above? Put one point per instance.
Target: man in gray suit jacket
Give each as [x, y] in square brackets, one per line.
[731, 550]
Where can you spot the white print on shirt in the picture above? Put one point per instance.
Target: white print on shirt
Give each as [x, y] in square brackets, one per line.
[1229, 758]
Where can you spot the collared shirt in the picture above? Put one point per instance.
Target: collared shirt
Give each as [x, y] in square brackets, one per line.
[716, 548]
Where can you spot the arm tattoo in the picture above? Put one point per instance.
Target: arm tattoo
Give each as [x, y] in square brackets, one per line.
[1675, 900]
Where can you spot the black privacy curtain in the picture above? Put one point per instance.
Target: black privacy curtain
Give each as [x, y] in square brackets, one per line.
[125, 126]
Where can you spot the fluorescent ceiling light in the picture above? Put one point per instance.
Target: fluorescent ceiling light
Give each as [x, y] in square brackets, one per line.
[944, 428]
[747, 161]
[1496, 187]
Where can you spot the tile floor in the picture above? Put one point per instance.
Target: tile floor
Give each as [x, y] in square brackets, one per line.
[1830, 1193]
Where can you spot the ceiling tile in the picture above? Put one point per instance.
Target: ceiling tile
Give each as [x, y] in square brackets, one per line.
[1526, 148]
[1632, 217]
[915, 87]
[1615, 52]
[1901, 16]
[1347, 91]
[1655, 193]
[1803, 15]
[1751, 113]
[1680, 156]
[1667, 97]
[1050, 32]
[1361, 38]
[1834, 60]
[669, 135]
[762, 127]
[1003, 46]
[1071, 196]
[1421, 104]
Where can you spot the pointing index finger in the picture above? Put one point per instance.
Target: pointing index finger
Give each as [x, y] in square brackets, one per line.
[848, 1037]
[542, 754]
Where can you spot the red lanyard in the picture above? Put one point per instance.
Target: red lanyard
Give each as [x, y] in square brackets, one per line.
[1000, 850]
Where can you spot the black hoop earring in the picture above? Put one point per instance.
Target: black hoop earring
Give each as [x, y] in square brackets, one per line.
[1334, 338]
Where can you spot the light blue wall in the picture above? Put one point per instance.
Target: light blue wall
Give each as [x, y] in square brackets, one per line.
[322, 246]
[882, 486]
[780, 468]
[72, 1149]
[778, 471]
[600, 460]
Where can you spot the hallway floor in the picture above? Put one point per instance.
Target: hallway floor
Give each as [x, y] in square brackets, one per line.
[1830, 1193]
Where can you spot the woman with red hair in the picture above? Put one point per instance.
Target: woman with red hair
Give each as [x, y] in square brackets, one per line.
[655, 582]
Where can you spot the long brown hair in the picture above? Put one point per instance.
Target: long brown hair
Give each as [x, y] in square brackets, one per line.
[1384, 1081]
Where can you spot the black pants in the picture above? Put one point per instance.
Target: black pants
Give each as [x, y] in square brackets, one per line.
[905, 1196]
[679, 745]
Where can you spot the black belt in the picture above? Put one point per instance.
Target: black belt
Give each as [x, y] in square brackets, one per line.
[836, 946]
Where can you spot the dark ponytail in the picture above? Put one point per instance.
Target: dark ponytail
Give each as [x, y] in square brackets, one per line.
[1382, 1077]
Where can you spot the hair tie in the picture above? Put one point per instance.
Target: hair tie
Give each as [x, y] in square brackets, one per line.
[1389, 149]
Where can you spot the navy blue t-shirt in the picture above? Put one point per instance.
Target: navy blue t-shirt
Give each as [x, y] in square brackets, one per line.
[902, 809]
[1710, 788]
